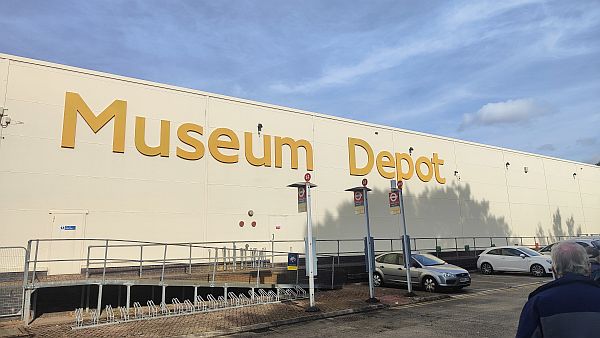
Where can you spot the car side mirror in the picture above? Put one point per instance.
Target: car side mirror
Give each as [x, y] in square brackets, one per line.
[522, 256]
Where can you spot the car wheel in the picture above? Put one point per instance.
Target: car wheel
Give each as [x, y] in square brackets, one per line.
[537, 270]
[377, 279]
[486, 268]
[429, 284]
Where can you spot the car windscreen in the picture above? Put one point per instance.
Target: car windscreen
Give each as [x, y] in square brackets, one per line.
[428, 260]
[530, 252]
[596, 244]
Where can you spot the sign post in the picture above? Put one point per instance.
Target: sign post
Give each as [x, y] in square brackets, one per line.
[361, 206]
[310, 252]
[405, 240]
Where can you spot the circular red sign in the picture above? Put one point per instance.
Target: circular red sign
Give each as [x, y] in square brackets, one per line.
[253, 224]
[241, 224]
[307, 177]
[364, 182]
[393, 197]
[400, 183]
[301, 192]
[358, 195]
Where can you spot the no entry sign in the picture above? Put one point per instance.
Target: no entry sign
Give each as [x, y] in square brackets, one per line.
[359, 202]
[394, 198]
[301, 199]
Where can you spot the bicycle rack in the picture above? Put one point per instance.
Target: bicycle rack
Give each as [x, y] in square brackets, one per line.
[138, 311]
[124, 313]
[110, 314]
[152, 308]
[177, 308]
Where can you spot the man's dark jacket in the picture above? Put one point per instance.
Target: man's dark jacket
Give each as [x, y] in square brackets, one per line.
[566, 307]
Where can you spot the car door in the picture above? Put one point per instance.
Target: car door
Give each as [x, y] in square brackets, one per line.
[512, 260]
[494, 257]
[390, 267]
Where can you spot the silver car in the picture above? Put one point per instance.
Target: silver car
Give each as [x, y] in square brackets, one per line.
[426, 270]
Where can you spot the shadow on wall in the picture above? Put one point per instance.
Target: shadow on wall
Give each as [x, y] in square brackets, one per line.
[557, 230]
[436, 212]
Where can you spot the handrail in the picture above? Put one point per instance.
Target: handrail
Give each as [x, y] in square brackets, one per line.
[232, 251]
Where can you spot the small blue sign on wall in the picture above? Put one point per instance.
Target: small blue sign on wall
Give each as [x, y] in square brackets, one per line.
[68, 227]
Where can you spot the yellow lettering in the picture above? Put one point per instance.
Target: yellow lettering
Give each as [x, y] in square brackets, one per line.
[401, 175]
[352, 144]
[74, 104]
[424, 177]
[266, 158]
[184, 136]
[140, 138]
[437, 162]
[385, 159]
[293, 145]
[214, 144]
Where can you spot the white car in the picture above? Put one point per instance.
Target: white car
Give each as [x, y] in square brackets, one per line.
[514, 259]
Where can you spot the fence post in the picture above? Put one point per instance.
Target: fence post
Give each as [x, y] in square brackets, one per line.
[332, 271]
[25, 275]
[104, 268]
[87, 263]
[338, 253]
[456, 246]
[474, 247]
[141, 258]
[506, 238]
[436, 246]
[35, 258]
[272, 252]
[190, 270]
[234, 255]
[521, 241]
[162, 274]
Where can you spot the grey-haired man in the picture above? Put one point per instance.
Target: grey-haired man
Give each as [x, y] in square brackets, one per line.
[568, 306]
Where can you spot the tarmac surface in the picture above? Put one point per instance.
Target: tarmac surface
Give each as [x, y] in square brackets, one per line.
[490, 307]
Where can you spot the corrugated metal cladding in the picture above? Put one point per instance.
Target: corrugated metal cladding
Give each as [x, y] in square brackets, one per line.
[100, 155]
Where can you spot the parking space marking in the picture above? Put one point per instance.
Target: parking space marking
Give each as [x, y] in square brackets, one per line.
[464, 296]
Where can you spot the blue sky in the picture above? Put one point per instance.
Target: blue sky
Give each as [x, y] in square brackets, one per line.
[518, 74]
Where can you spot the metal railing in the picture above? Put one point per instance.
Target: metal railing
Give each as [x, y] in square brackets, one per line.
[155, 258]
[12, 259]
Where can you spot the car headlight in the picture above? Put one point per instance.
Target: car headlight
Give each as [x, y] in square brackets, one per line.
[549, 261]
[448, 275]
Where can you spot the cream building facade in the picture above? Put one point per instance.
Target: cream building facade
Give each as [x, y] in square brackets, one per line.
[104, 156]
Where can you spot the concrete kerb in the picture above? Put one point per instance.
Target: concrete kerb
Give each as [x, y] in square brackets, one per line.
[331, 314]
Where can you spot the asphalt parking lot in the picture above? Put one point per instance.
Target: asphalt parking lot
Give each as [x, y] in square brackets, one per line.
[489, 308]
[480, 282]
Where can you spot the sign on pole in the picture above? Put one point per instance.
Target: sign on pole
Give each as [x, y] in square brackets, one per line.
[394, 198]
[359, 202]
[292, 261]
[301, 199]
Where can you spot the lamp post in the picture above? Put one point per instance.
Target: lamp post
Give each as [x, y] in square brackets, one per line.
[304, 205]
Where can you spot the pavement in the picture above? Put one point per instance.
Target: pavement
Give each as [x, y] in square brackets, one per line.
[265, 318]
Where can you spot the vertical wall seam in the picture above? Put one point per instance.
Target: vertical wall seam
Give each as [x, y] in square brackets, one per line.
[507, 191]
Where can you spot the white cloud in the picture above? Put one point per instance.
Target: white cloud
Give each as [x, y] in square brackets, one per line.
[507, 112]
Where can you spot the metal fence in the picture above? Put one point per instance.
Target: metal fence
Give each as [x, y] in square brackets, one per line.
[154, 259]
[12, 260]
[98, 258]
